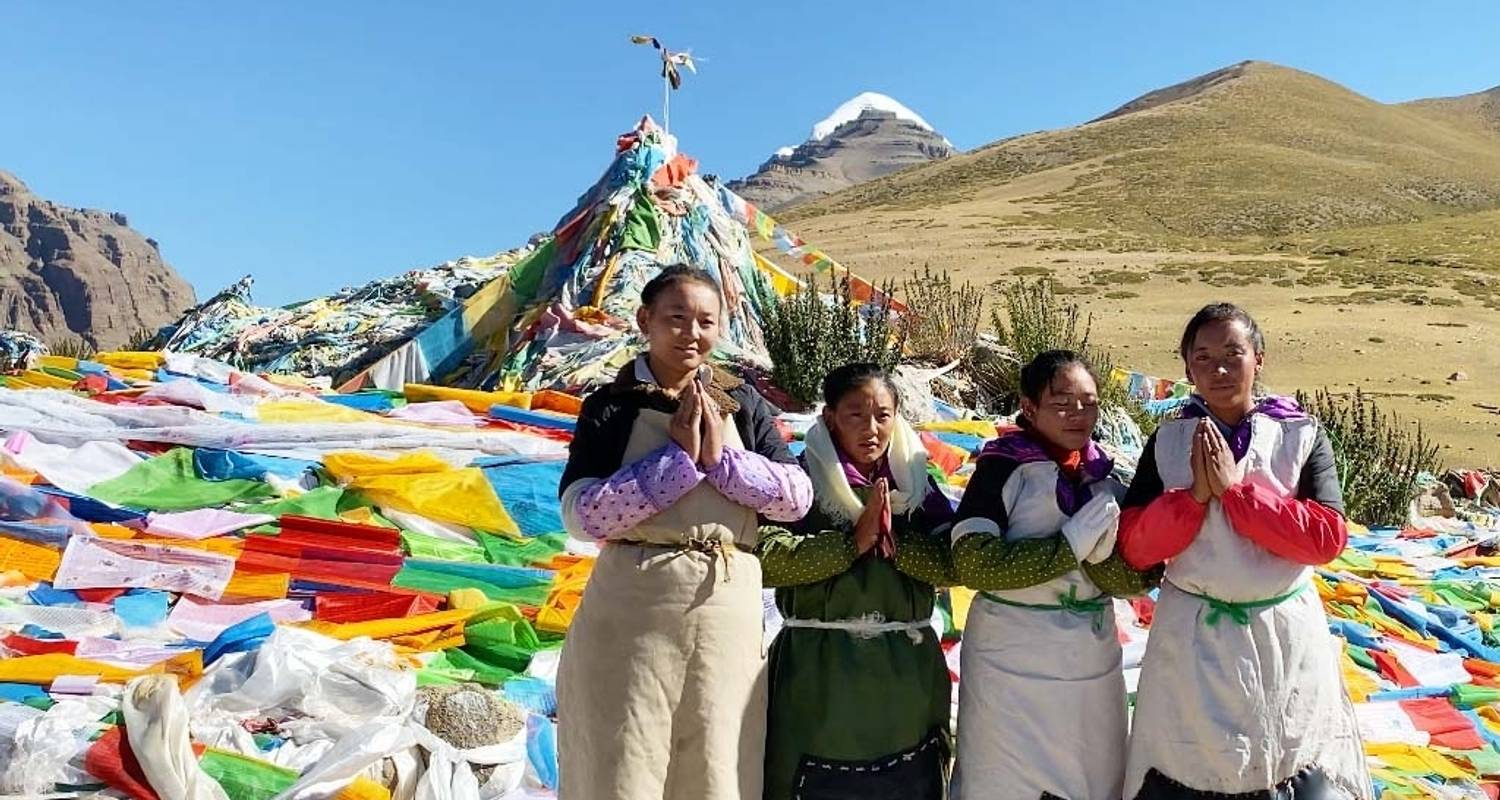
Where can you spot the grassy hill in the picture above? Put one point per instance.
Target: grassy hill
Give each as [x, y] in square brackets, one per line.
[1365, 235]
[1253, 149]
[1480, 110]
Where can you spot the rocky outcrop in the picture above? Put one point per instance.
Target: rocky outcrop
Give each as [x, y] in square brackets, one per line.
[67, 272]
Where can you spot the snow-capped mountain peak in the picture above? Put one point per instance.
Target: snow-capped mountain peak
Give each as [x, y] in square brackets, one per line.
[853, 108]
[867, 137]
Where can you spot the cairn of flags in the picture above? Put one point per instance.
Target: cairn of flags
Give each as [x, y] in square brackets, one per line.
[220, 579]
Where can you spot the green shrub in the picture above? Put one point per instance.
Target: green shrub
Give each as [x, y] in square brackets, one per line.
[942, 321]
[71, 347]
[1378, 457]
[1030, 318]
[807, 335]
[142, 339]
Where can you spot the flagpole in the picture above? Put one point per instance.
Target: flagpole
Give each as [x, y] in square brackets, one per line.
[671, 79]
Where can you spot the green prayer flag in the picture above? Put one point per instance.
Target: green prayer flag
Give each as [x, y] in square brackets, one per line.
[420, 545]
[526, 276]
[169, 482]
[245, 778]
[1467, 695]
[484, 673]
[642, 225]
[1485, 761]
[427, 580]
[1361, 656]
[1352, 560]
[528, 551]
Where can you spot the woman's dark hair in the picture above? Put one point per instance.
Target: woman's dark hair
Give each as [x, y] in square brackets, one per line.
[1220, 312]
[1037, 375]
[849, 377]
[674, 275]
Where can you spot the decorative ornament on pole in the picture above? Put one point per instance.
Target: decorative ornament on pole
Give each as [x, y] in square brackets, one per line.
[671, 76]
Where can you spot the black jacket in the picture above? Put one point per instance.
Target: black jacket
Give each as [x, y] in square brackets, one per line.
[609, 413]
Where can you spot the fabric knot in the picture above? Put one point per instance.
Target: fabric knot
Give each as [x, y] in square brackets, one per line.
[1093, 606]
[1238, 612]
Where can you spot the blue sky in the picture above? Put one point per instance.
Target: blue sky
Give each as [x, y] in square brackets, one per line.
[317, 145]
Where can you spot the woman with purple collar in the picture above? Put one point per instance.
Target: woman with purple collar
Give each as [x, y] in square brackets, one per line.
[1241, 694]
[860, 694]
[661, 689]
[1042, 701]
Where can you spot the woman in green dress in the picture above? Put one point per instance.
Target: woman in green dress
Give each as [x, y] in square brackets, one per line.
[860, 692]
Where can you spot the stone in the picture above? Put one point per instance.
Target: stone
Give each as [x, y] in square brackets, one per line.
[467, 715]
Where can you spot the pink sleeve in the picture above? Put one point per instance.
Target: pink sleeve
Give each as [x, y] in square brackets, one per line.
[1161, 530]
[1304, 531]
[637, 492]
[779, 492]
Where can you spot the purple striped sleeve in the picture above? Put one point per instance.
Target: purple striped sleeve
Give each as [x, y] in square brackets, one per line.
[637, 492]
[778, 492]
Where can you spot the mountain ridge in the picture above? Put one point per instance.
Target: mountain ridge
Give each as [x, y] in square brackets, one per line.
[80, 273]
[869, 136]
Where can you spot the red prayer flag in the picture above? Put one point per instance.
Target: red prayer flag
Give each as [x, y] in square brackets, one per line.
[1444, 723]
[1391, 669]
[331, 607]
[27, 646]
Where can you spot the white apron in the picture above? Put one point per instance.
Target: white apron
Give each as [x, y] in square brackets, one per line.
[1232, 708]
[1041, 704]
[661, 689]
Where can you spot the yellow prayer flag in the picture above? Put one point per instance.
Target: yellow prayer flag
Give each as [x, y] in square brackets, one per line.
[422, 483]
[309, 411]
[962, 598]
[982, 428]
[36, 562]
[477, 401]
[41, 670]
[130, 359]
[392, 628]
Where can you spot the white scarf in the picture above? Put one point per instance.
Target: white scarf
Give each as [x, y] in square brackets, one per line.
[908, 460]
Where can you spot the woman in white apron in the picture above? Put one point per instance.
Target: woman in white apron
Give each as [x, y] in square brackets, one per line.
[1041, 708]
[1241, 694]
[662, 689]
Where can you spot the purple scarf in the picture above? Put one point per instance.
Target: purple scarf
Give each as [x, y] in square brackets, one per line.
[1023, 447]
[1238, 436]
[935, 504]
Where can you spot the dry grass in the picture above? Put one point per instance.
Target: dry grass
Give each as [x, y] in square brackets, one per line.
[1333, 218]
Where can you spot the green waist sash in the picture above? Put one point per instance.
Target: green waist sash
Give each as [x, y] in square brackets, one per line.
[1095, 607]
[1239, 613]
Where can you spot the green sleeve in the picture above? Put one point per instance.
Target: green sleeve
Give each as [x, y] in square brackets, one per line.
[1114, 576]
[926, 556]
[795, 559]
[986, 562]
